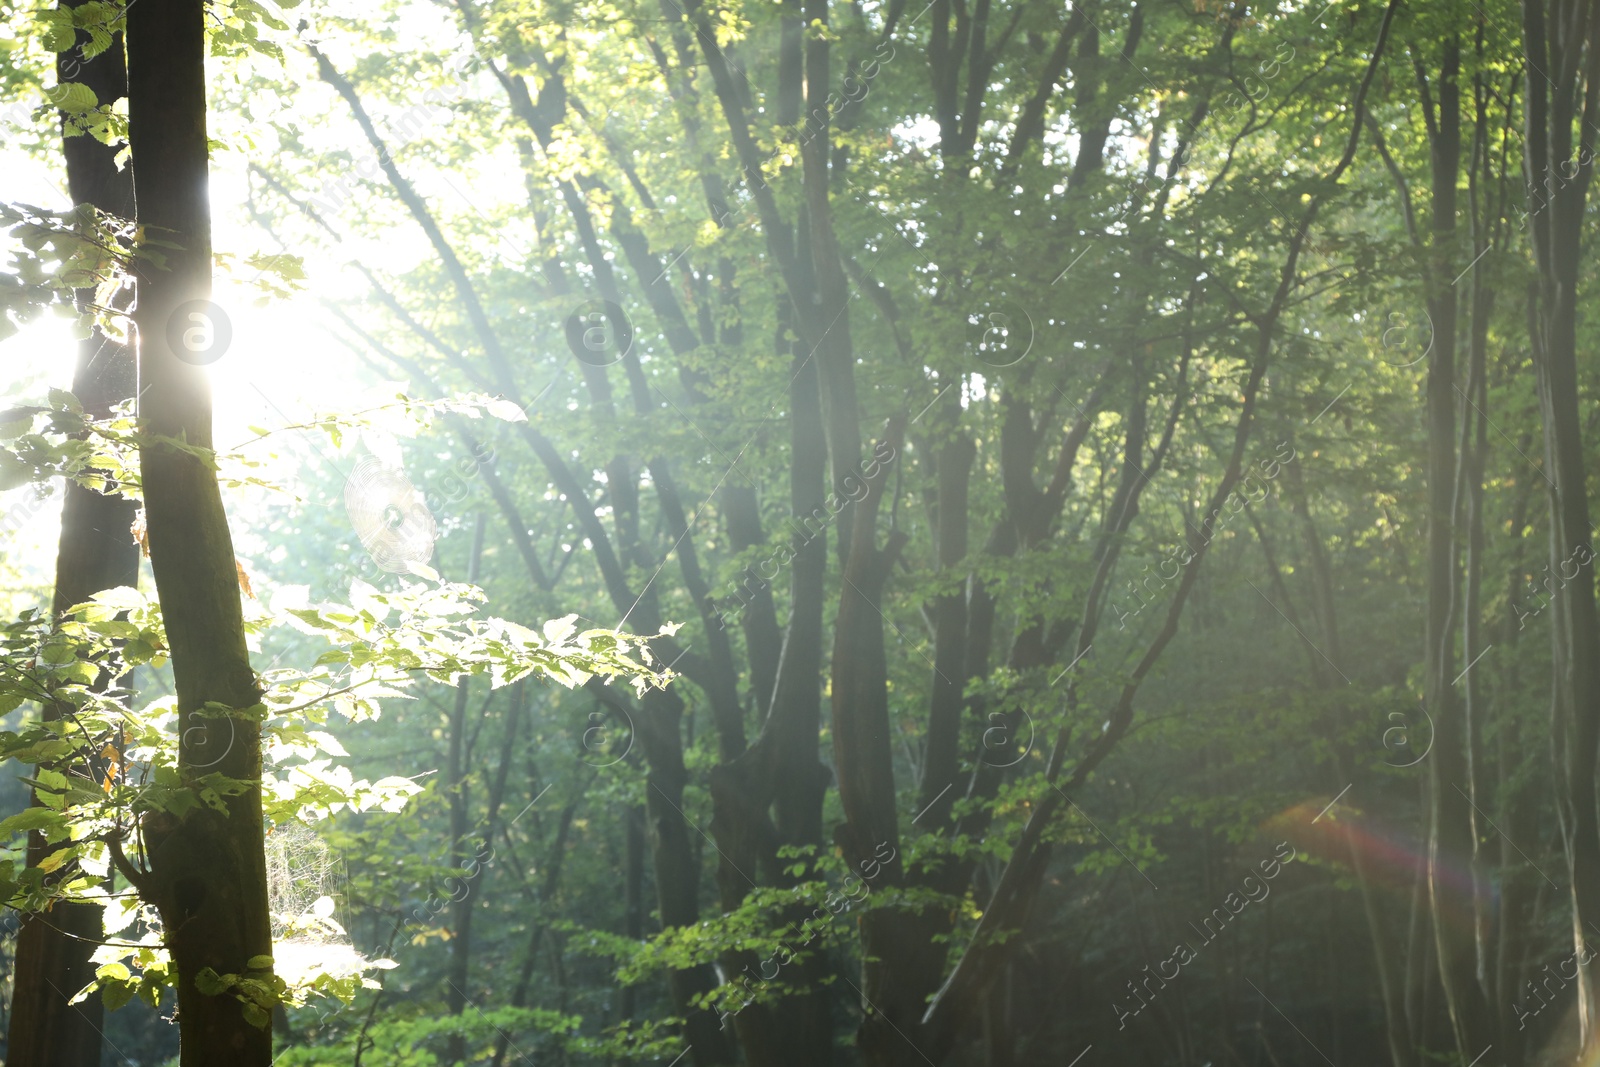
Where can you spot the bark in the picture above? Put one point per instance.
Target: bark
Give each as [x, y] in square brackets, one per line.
[207, 873]
[96, 552]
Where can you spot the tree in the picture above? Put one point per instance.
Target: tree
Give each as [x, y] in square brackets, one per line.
[207, 873]
[97, 552]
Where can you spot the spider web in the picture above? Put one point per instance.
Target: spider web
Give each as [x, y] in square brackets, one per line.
[305, 882]
[301, 871]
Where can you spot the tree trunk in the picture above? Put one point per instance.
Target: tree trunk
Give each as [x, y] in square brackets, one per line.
[96, 552]
[456, 783]
[207, 871]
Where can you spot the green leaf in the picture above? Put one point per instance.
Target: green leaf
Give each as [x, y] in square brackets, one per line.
[63, 399]
[115, 996]
[505, 409]
[558, 630]
[123, 598]
[31, 819]
[212, 984]
[59, 34]
[74, 98]
[54, 781]
[81, 672]
[119, 914]
[312, 617]
[117, 972]
[13, 471]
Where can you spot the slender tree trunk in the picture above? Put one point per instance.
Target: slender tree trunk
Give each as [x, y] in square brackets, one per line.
[946, 703]
[1419, 961]
[96, 552]
[1475, 704]
[632, 897]
[1521, 887]
[1561, 38]
[207, 871]
[456, 779]
[552, 866]
[762, 638]
[1324, 607]
[999, 1029]
[1451, 814]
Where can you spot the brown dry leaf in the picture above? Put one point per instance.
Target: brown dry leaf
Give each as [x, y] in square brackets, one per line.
[141, 532]
[244, 580]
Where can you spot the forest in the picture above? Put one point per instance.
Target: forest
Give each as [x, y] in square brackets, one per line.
[790, 533]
